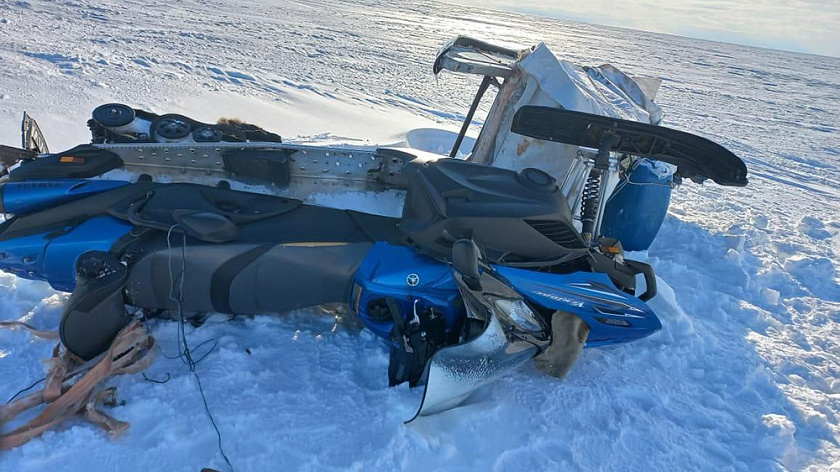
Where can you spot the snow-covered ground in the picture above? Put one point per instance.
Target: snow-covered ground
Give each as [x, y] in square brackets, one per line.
[745, 374]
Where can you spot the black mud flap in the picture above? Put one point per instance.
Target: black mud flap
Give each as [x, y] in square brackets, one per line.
[273, 165]
[695, 157]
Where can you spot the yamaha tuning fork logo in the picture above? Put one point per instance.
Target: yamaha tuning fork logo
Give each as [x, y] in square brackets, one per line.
[412, 280]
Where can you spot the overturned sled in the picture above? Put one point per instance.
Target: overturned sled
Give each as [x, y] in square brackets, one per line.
[512, 254]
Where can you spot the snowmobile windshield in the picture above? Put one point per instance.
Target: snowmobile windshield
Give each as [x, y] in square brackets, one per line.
[511, 336]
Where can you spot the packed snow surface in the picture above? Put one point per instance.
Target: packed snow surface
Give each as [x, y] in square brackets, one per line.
[745, 374]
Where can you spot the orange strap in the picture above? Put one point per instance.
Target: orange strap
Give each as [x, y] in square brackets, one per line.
[131, 352]
[34, 331]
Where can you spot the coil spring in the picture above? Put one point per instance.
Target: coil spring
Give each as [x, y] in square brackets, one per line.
[590, 198]
[589, 204]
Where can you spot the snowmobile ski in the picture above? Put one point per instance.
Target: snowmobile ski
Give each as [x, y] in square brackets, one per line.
[695, 157]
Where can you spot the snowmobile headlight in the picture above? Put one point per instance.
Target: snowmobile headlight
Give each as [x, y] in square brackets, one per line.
[520, 313]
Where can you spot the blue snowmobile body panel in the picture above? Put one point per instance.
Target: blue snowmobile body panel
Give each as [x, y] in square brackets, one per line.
[389, 271]
[612, 315]
[408, 277]
[21, 198]
[51, 256]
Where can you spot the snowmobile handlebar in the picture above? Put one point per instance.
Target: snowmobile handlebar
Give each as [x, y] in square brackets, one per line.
[650, 278]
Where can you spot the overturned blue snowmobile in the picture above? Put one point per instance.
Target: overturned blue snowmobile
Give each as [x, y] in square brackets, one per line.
[483, 271]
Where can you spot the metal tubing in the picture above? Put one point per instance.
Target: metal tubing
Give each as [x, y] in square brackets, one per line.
[485, 82]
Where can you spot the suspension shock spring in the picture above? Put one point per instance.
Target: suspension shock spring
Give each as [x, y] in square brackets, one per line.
[590, 200]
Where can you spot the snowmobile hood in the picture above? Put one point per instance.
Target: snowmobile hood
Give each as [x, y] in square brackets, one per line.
[613, 316]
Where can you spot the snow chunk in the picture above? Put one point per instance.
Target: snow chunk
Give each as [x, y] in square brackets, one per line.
[780, 436]
[770, 296]
[813, 227]
[817, 274]
[760, 221]
[734, 242]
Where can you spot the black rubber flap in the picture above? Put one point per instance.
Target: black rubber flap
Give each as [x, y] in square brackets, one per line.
[268, 164]
[693, 155]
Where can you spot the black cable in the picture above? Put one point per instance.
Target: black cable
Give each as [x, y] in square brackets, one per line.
[196, 349]
[212, 348]
[184, 353]
[210, 415]
[178, 298]
[24, 390]
[157, 381]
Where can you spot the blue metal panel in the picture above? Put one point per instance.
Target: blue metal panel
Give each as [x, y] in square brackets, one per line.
[613, 316]
[388, 271]
[638, 206]
[20, 198]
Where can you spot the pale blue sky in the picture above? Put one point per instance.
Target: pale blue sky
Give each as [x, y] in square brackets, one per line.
[811, 26]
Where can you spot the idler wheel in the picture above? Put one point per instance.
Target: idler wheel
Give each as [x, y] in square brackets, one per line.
[113, 115]
[171, 127]
[207, 134]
